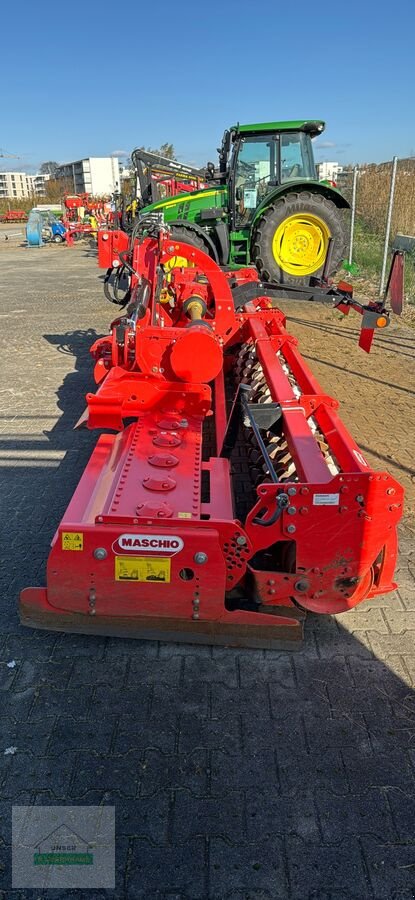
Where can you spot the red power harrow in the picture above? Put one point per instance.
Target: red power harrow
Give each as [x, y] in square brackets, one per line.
[235, 499]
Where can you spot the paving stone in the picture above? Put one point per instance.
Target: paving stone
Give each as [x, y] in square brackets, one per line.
[174, 772]
[375, 770]
[146, 670]
[32, 737]
[79, 735]
[249, 701]
[300, 772]
[314, 870]
[256, 668]
[123, 702]
[39, 673]
[254, 867]
[402, 805]
[285, 734]
[268, 814]
[28, 772]
[106, 773]
[339, 732]
[155, 871]
[197, 732]
[134, 649]
[352, 815]
[222, 670]
[231, 772]
[170, 701]
[110, 670]
[391, 869]
[51, 702]
[209, 816]
[147, 733]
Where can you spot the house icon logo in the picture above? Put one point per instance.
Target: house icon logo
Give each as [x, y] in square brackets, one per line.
[63, 847]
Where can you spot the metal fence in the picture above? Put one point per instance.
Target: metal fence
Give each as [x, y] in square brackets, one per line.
[382, 197]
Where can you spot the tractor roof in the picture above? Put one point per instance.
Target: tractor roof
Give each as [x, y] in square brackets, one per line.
[311, 126]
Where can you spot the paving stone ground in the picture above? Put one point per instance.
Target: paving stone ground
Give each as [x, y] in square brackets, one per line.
[245, 775]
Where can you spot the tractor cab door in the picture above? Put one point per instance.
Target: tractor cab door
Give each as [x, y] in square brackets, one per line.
[297, 160]
[254, 173]
[262, 162]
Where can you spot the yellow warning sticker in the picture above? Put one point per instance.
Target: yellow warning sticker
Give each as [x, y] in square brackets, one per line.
[72, 540]
[184, 515]
[154, 569]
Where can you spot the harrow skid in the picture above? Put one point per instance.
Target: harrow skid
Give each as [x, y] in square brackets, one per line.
[222, 509]
[246, 629]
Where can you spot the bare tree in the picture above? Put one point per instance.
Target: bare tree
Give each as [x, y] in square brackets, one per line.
[49, 168]
[166, 150]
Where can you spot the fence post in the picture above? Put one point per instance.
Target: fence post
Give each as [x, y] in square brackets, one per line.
[355, 174]
[388, 224]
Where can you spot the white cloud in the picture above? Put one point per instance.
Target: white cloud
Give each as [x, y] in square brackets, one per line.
[325, 144]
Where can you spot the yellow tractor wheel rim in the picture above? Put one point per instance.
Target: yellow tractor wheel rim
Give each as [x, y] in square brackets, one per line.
[300, 244]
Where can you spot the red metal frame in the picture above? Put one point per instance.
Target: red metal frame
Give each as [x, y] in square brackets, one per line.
[148, 479]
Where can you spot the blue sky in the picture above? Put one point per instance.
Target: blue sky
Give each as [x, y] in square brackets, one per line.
[93, 78]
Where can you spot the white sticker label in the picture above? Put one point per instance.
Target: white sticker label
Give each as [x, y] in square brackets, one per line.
[326, 499]
[360, 458]
[148, 543]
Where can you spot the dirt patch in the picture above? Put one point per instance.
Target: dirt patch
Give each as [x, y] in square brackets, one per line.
[376, 391]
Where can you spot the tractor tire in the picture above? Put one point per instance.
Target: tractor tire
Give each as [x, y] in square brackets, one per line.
[57, 239]
[190, 236]
[290, 241]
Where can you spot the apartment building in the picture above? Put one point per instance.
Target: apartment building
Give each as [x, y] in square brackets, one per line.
[39, 182]
[97, 175]
[16, 185]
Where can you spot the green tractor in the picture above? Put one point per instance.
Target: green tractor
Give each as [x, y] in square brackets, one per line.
[262, 205]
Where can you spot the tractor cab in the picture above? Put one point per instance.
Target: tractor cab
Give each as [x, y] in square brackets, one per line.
[264, 159]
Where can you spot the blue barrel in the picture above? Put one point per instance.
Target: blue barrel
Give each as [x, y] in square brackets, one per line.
[34, 229]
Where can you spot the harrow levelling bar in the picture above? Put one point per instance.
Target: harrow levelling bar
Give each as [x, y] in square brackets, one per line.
[235, 499]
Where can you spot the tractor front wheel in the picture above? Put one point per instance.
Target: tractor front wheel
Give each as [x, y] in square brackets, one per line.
[291, 238]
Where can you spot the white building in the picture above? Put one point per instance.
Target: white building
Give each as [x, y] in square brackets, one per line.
[39, 184]
[97, 175]
[16, 185]
[328, 171]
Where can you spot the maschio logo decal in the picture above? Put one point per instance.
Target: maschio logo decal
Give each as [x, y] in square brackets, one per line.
[148, 543]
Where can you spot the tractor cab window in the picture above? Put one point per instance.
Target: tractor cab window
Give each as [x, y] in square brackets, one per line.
[296, 157]
[254, 173]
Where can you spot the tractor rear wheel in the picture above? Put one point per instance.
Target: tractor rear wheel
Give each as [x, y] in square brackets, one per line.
[291, 238]
[190, 236]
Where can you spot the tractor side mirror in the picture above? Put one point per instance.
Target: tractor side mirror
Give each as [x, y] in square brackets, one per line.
[210, 171]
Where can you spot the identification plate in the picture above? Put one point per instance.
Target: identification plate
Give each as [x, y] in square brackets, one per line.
[72, 540]
[154, 569]
[326, 499]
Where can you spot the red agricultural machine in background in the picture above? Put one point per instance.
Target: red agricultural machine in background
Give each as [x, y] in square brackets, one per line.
[231, 499]
[13, 215]
[83, 215]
